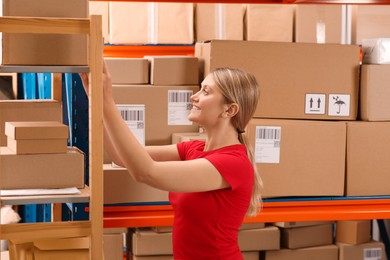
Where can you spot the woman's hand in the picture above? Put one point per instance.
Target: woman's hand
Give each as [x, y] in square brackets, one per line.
[106, 78]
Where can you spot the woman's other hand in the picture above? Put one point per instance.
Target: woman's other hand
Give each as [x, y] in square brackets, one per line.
[106, 78]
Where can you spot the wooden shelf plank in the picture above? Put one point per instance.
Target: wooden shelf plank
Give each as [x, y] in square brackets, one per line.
[43, 69]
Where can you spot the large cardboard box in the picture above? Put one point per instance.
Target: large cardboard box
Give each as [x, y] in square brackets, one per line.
[101, 8]
[369, 21]
[119, 187]
[368, 150]
[370, 250]
[146, 242]
[297, 80]
[27, 110]
[42, 171]
[329, 252]
[321, 23]
[219, 21]
[128, 70]
[154, 23]
[40, 49]
[113, 246]
[298, 152]
[269, 22]
[173, 70]
[267, 238]
[374, 102]
[353, 231]
[166, 109]
[300, 237]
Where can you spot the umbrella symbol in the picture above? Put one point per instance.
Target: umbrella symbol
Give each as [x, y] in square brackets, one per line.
[339, 103]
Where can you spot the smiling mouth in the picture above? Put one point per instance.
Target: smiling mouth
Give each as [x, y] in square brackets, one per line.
[195, 107]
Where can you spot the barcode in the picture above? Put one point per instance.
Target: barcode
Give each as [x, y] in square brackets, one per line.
[132, 115]
[373, 253]
[268, 133]
[179, 96]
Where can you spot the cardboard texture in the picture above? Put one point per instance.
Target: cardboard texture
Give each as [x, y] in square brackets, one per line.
[40, 49]
[173, 70]
[128, 70]
[376, 51]
[36, 130]
[267, 238]
[353, 231]
[367, 171]
[369, 21]
[300, 237]
[31, 146]
[27, 110]
[155, 23]
[184, 137]
[321, 23]
[299, 224]
[62, 249]
[120, 187]
[269, 22]
[245, 226]
[329, 252]
[319, 81]
[101, 8]
[113, 246]
[298, 152]
[219, 21]
[42, 171]
[374, 93]
[370, 250]
[158, 109]
[146, 242]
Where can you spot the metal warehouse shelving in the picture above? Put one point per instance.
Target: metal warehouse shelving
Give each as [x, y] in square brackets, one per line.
[92, 228]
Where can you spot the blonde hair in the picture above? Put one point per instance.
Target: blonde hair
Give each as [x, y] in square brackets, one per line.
[240, 87]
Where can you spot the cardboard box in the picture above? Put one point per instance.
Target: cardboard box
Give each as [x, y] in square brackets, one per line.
[370, 250]
[42, 171]
[62, 249]
[119, 187]
[320, 23]
[101, 8]
[369, 21]
[269, 22]
[184, 137]
[27, 110]
[113, 246]
[39, 146]
[173, 70]
[258, 225]
[297, 80]
[255, 255]
[219, 21]
[146, 242]
[155, 23]
[329, 252]
[376, 51]
[267, 238]
[300, 237]
[353, 231]
[368, 150]
[166, 109]
[128, 70]
[299, 224]
[374, 93]
[40, 49]
[298, 151]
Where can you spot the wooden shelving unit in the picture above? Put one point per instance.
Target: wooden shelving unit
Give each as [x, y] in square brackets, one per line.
[92, 228]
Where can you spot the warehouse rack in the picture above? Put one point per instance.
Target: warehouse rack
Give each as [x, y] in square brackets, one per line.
[92, 228]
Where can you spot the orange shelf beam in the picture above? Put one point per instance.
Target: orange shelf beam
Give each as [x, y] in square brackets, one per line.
[373, 2]
[139, 51]
[329, 210]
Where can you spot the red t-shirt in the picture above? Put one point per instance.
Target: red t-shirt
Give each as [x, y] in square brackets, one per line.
[206, 223]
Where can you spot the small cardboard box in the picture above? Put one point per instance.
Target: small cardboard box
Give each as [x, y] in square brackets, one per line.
[184, 137]
[146, 242]
[370, 250]
[297, 80]
[299, 224]
[267, 238]
[300, 237]
[154, 23]
[219, 21]
[40, 49]
[321, 23]
[297, 151]
[173, 70]
[353, 231]
[62, 249]
[37, 146]
[269, 22]
[27, 110]
[329, 252]
[42, 171]
[374, 93]
[128, 70]
[368, 150]
[113, 246]
[120, 187]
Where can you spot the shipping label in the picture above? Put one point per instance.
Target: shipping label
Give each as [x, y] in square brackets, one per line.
[134, 116]
[179, 107]
[267, 145]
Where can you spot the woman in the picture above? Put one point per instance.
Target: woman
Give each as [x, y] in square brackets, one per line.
[212, 184]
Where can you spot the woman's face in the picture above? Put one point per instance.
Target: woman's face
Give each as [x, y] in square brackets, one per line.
[208, 104]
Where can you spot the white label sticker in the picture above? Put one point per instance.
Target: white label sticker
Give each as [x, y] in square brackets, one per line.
[267, 145]
[339, 105]
[315, 104]
[134, 116]
[372, 253]
[179, 107]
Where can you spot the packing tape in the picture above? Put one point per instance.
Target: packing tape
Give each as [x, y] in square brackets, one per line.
[220, 21]
[152, 22]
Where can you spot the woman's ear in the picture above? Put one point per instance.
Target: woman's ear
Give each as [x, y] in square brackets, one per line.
[232, 110]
